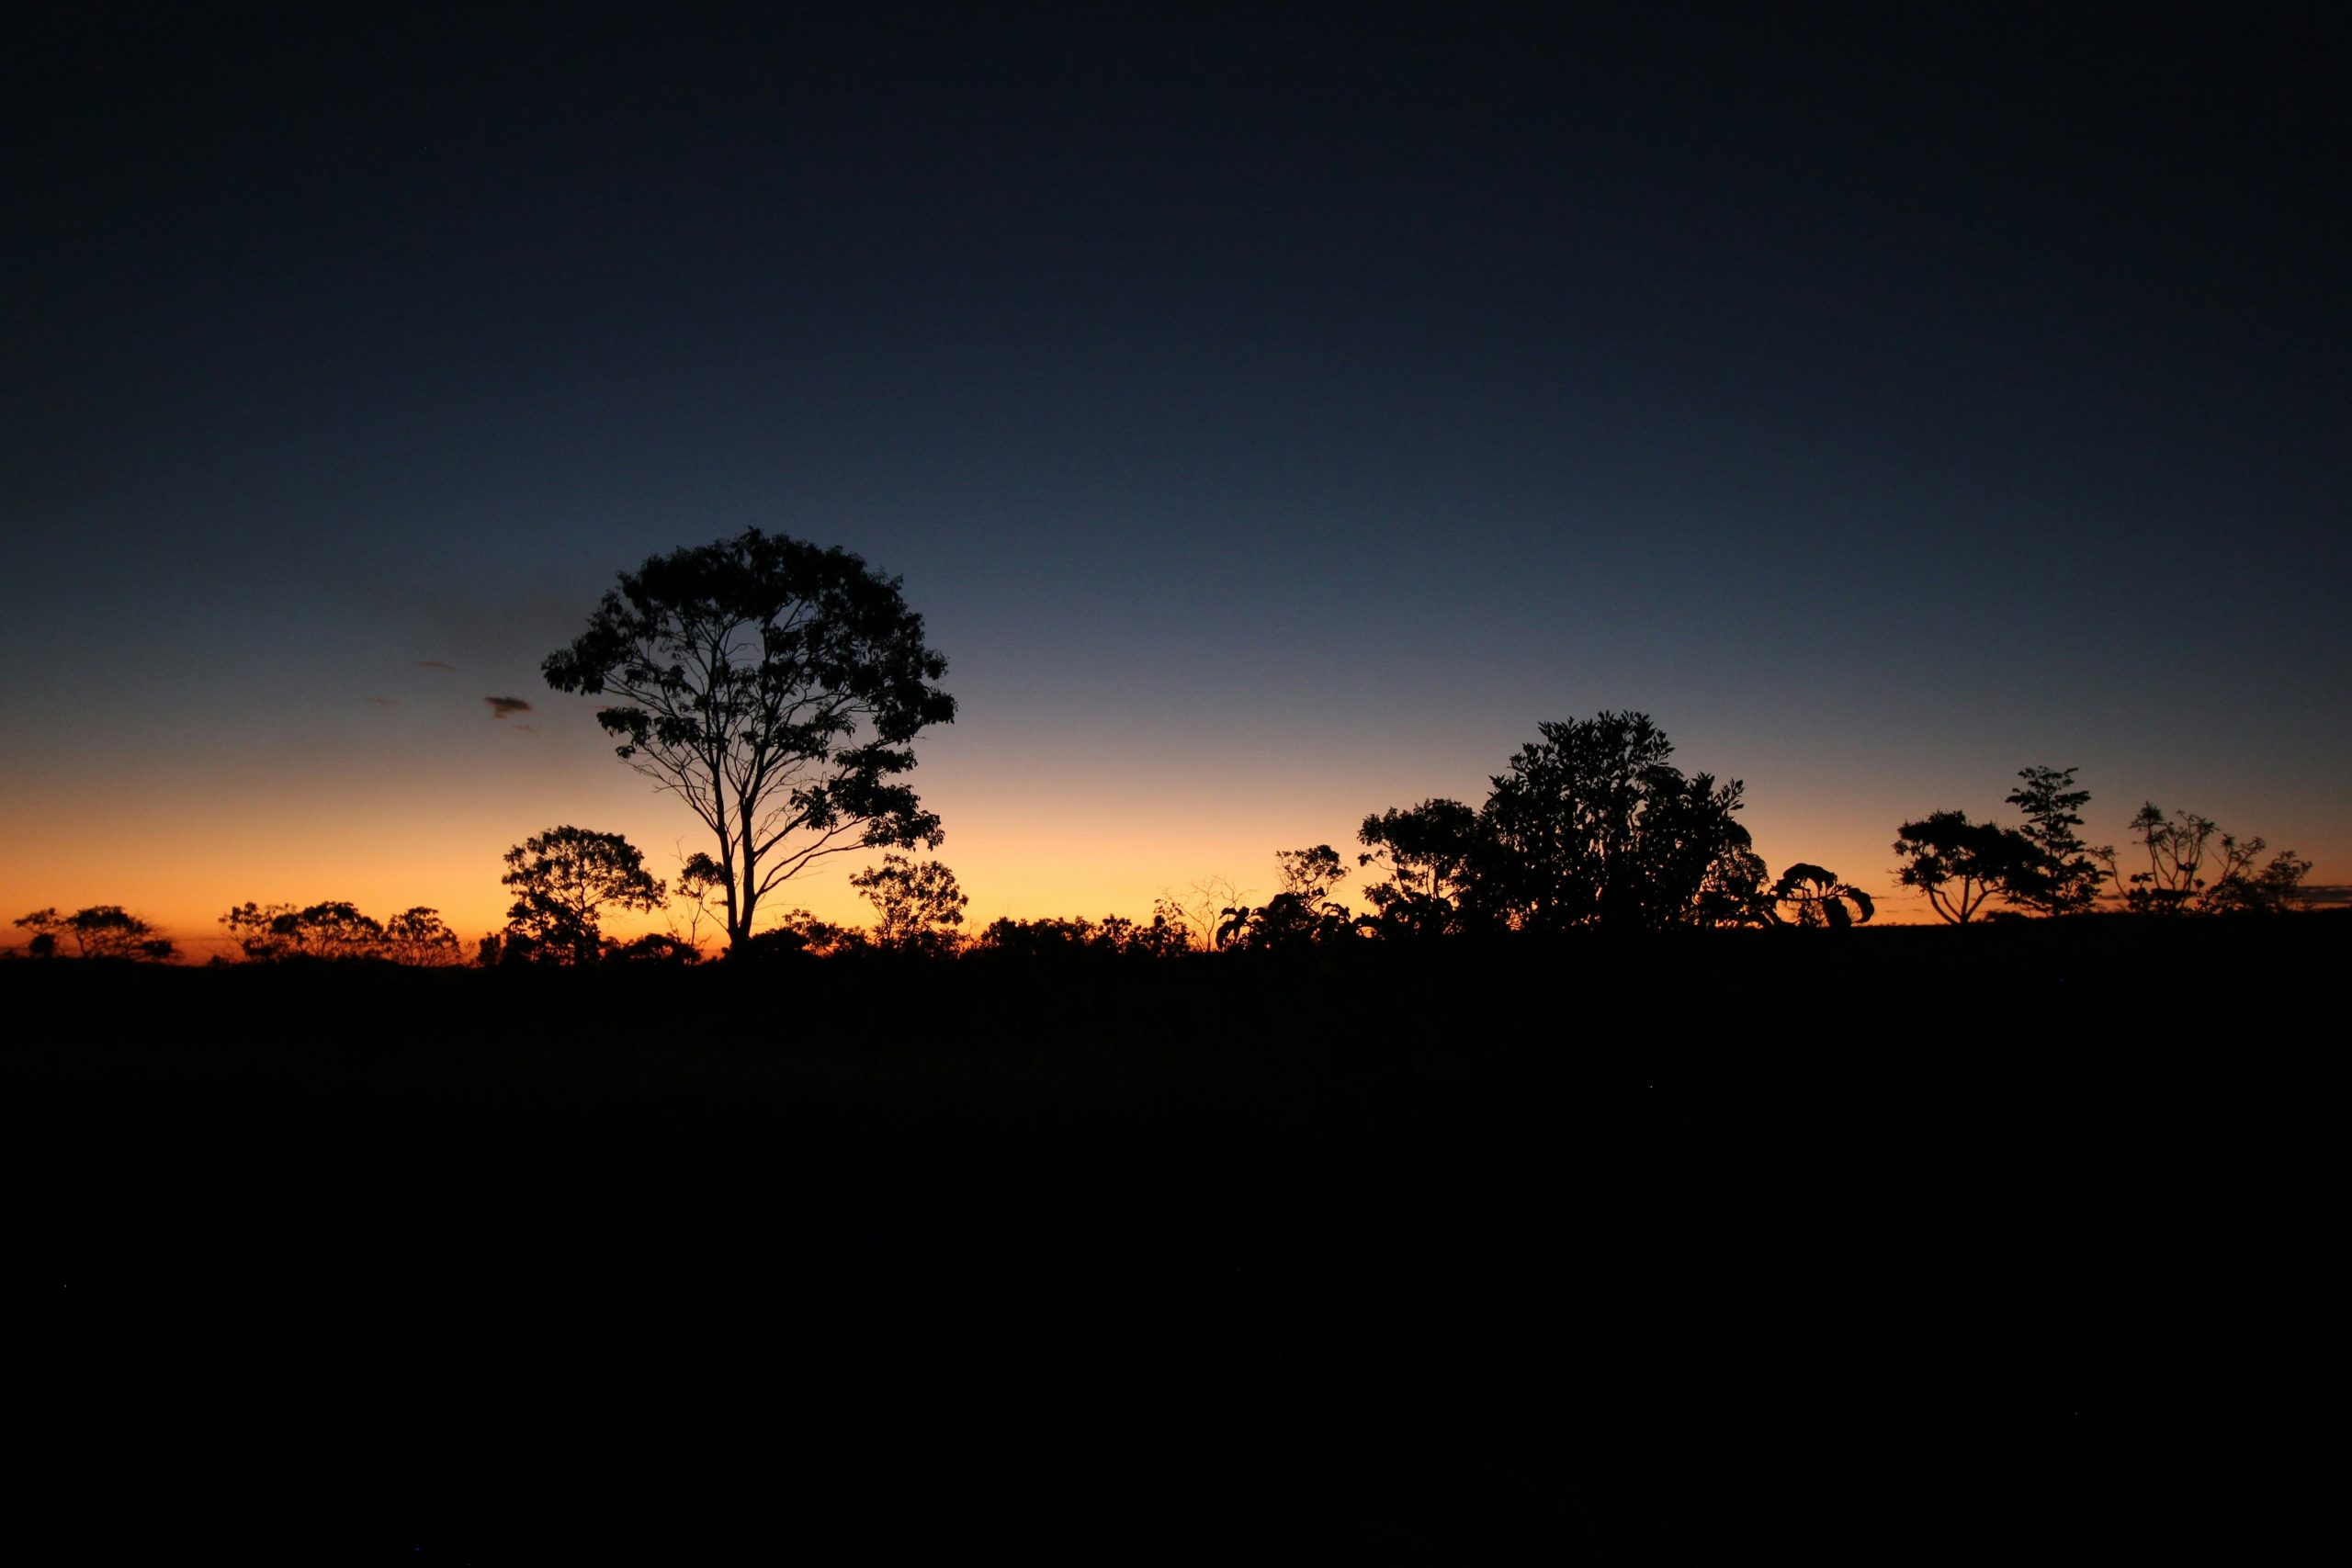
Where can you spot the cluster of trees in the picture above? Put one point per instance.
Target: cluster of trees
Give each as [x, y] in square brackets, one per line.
[1592, 826]
[273, 933]
[102, 931]
[2045, 868]
[778, 689]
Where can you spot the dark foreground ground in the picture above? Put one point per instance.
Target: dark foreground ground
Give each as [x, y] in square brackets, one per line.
[1426, 1249]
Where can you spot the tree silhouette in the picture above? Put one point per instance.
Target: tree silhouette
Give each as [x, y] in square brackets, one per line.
[2071, 874]
[1301, 915]
[1592, 826]
[263, 932]
[563, 880]
[796, 934]
[269, 933]
[777, 688]
[419, 938]
[1816, 897]
[1426, 853]
[2180, 879]
[917, 907]
[1201, 910]
[1739, 891]
[102, 931]
[1037, 938]
[653, 947]
[2277, 888]
[1960, 864]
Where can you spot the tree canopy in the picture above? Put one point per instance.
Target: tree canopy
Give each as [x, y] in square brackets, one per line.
[777, 688]
[1427, 853]
[269, 933]
[1960, 866]
[1816, 897]
[102, 931]
[2070, 872]
[917, 906]
[1592, 826]
[2196, 868]
[563, 880]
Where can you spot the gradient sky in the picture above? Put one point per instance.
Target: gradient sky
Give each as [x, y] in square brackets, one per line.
[1274, 418]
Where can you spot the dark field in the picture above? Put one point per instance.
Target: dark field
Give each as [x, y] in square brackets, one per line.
[1423, 1247]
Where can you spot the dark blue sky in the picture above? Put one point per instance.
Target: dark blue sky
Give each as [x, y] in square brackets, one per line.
[1274, 417]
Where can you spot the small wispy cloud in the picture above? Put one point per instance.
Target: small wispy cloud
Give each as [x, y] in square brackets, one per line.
[2328, 894]
[435, 664]
[506, 707]
[383, 702]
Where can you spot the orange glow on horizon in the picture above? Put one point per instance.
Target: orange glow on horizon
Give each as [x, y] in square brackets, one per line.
[426, 819]
[180, 864]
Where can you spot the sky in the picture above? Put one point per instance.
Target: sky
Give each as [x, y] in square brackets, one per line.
[1275, 414]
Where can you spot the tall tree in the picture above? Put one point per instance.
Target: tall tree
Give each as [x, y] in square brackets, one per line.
[777, 688]
[2053, 808]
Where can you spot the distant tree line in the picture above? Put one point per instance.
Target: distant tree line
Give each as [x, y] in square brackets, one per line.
[1590, 826]
[276, 933]
[2045, 867]
[778, 689]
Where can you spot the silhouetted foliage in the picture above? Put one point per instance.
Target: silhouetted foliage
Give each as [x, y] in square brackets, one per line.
[1050, 935]
[1201, 909]
[2071, 874]
[563, 880]
[1285, 923]
[337, 929]
[1593, 827]
[796, 934]
[653, 947]
[1960, 864]
[2183, 849]
[918, 908]
[1163, 936]
[270, 934]
[2276, 889]
[1427, 853]
[256, 928]
[775, 687]
[1815, 897]
[1054, 936]
[419, 938]
[1309, 874]
[1303, 914]
[102, 931]
[1739, 891]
